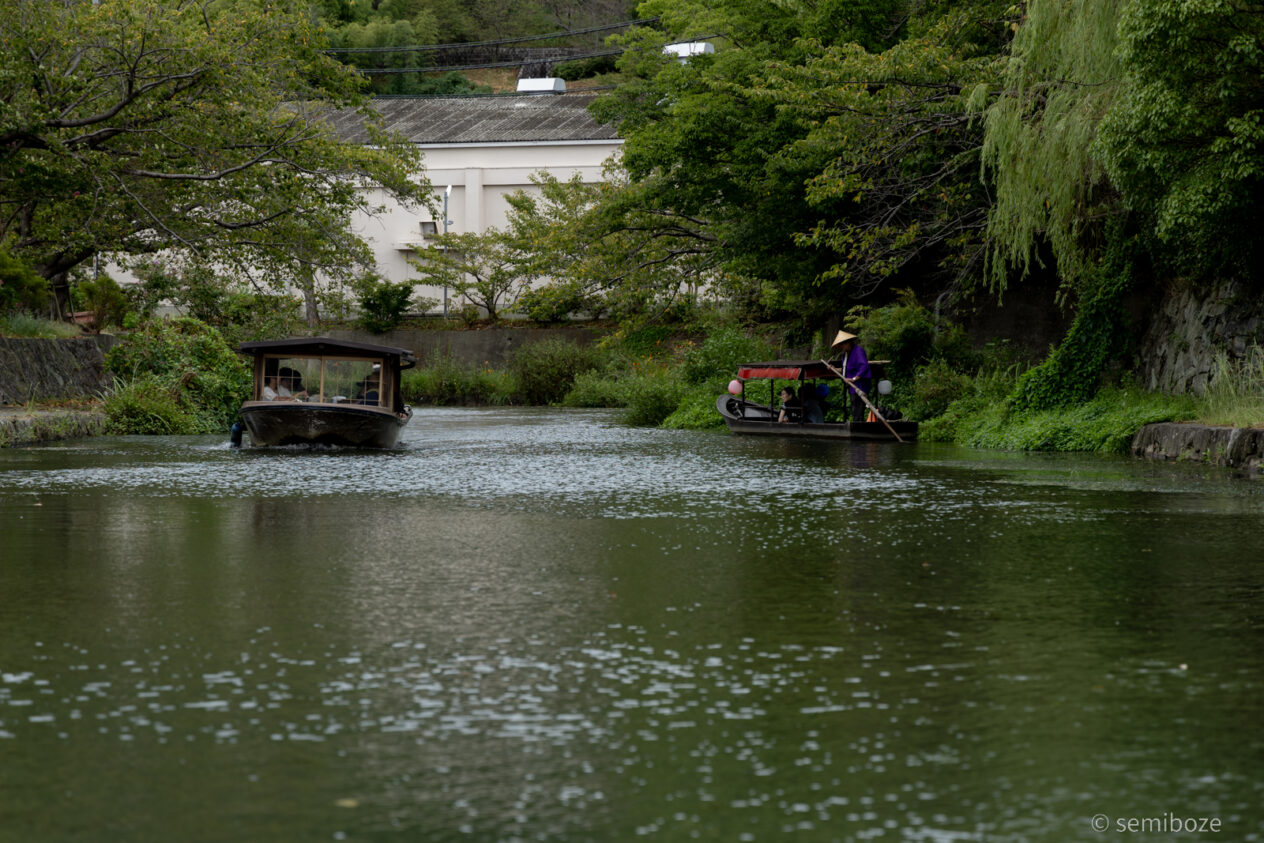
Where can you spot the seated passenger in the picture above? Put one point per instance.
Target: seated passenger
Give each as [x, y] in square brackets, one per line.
[812, 411]
[291, 384]
[368, 389]
[791, 406]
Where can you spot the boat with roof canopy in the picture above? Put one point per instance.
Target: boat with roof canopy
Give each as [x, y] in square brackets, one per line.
[744, 411]
[323, 391]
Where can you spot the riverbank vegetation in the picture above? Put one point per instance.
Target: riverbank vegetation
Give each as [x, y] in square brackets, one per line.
[883, 167]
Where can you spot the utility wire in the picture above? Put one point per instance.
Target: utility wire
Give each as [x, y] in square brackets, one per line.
[460, 67]
[470, 44]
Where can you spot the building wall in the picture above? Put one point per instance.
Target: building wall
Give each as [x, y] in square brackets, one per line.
[481, 177]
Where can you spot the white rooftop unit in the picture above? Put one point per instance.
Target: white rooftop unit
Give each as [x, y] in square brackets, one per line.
[686, 50]
[547, 85]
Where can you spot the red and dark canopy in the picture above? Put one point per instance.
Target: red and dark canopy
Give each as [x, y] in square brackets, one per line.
[787, 370]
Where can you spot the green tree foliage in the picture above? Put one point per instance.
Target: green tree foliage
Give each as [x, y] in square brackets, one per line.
[824, 148]
[1183, 140]
[600, 253]
[486, 270]
[137, 126]
[893, 148]
[237, 310]
[21, 288]
[1051, 192]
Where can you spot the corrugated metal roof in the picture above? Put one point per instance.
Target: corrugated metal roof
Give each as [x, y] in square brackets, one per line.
[500, 119]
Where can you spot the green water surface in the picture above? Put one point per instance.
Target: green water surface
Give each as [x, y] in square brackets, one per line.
[539, 625]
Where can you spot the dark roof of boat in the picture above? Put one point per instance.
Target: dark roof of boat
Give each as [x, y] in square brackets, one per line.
[322, 345]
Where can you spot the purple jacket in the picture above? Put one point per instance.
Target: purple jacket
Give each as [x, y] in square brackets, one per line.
[855, 365]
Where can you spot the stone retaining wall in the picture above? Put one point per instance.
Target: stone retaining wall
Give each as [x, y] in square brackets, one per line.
[1194, 324]
[34, 370]
[1231, 447]
[489, 347]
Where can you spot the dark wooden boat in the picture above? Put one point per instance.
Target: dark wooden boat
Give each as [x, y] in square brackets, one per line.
[322, 391]
[746, 416]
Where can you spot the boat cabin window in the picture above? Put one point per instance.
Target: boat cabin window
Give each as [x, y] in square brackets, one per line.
[324, 380]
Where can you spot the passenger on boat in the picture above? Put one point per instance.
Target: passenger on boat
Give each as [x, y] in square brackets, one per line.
[291, 385]
[854, 364]
[813, 413]
[791, 407]
[368, 389]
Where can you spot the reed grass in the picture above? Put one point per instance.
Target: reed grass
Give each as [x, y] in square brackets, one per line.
[1235, 394]
[443, 381]
[27, 326]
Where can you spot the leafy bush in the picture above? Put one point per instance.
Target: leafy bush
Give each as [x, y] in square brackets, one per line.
[383, 304]
[191, 360]
[651, 398]
[445, 382]
[148, 405]
[105, 298]
[935, 386]
[597, 389]
[545, 371]
[696, 411]
[720, 354]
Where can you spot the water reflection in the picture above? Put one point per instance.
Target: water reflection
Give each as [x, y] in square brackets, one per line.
[537, 625]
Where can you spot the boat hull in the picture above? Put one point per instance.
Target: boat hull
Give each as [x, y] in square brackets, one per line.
[296, 423]
[757, 420]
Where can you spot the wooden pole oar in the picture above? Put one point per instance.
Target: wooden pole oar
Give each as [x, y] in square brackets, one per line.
[864, 398]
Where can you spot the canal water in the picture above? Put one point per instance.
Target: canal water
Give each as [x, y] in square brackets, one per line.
[540, 625]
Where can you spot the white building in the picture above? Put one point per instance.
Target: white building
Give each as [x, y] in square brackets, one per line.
[484, 148]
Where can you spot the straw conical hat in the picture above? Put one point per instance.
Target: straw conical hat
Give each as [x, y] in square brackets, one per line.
[842, 337]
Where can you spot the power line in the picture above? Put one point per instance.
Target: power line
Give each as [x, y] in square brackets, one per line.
[470, 44]
[460, 67]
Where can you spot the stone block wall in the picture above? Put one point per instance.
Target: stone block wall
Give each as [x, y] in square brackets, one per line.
[33, 370]
[1193, 324]
[491, 347]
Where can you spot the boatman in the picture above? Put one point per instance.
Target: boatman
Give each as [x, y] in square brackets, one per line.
[854, 364]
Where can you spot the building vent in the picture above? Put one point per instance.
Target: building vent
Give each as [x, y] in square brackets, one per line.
[688, 49]
[548, 85]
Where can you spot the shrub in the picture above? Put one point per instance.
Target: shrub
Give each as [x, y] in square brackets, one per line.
[721, 353]
[105, 298]
[696, 410]
[545, 371]
[935, 386]
[383, 304]
[192, 360]
[597, 389]
[651, 398]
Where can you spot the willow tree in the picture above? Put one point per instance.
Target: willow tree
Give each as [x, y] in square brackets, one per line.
[1051, 193]
[185, 126]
